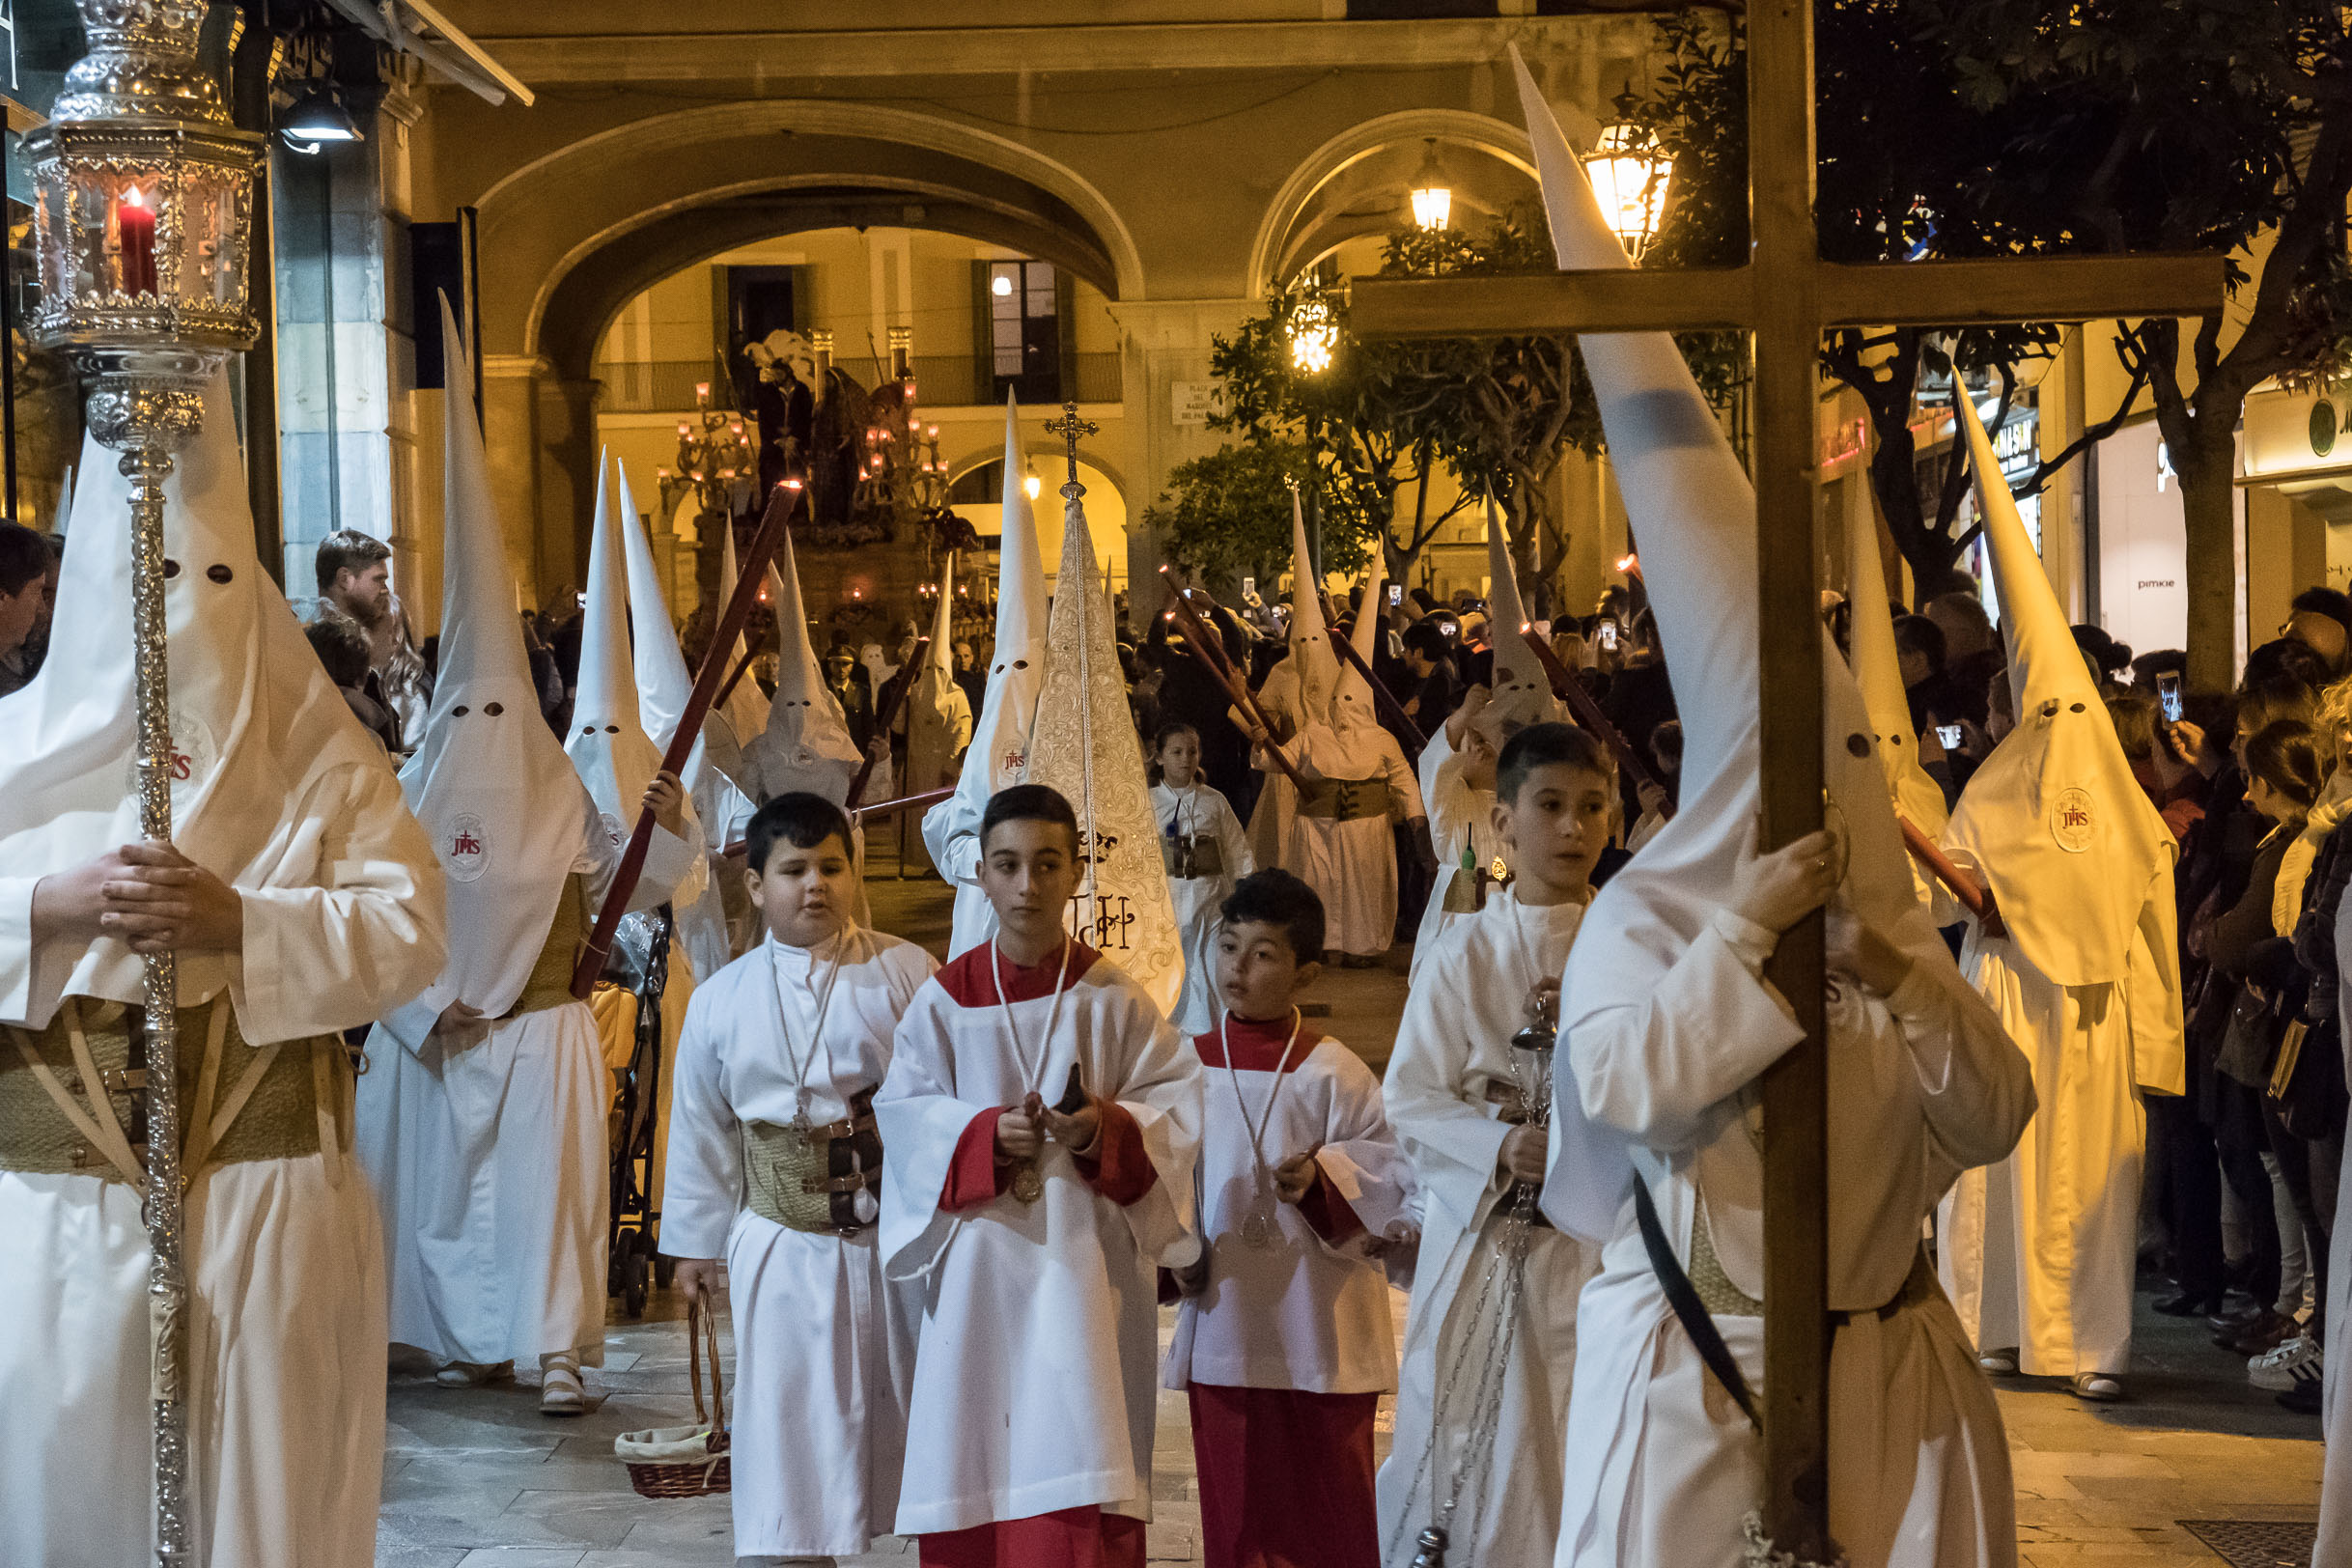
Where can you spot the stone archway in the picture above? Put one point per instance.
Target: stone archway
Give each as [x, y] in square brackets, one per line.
[567, 239]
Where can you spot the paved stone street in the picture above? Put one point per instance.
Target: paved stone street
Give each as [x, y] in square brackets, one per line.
[477, 1478]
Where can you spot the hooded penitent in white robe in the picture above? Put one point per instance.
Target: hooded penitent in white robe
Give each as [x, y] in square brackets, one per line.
[1666, 1024]
[1001, 738]
[1295, 693]
[1460, 812]
[824, 1345]
[938, 717]
[1453, 1059]
[1284, 1352]
[2039, 1252]
[1084, 745]
[281, 794]
[1200, 813]
[485, 1143]
[806, 746]
[1344, 846]
[664, 685]
[1034, 1386]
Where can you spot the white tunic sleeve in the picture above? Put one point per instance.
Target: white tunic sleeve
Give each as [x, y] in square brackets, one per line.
[1454, 1142]
[359, 934]
[1404, 790]
[1712, 1025]
[1362, 1159]
[921, 1121]
[702, 1180]
[1976, 1086]
[668, 858]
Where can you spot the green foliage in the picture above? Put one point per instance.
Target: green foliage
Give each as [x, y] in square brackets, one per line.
[1227, 514]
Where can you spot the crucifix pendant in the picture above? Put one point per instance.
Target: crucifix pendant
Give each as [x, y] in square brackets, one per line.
[1257, 1229]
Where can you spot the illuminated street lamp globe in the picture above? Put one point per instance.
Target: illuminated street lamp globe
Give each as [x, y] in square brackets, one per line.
[1432, 199]
[1629, 173]
[1314, 335]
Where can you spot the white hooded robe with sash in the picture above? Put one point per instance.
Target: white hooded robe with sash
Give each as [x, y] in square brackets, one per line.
[485, 1144]
[281, 794]
[1666, 1024]
[2039, 1252]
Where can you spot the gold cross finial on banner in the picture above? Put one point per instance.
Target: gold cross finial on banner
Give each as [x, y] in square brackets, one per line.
[1071, 428]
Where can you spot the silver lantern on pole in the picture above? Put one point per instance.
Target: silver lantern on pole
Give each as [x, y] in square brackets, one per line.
[142, 219]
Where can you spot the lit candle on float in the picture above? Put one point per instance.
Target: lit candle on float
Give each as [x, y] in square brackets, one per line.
[135, 232]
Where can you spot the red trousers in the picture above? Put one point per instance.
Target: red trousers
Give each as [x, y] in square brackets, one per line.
[1285, 1478]
[1066, 1538]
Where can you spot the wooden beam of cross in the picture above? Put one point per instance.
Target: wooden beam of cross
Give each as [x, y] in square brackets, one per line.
[1787, 295]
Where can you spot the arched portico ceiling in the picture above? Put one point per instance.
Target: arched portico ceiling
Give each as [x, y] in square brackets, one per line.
[558, 214]
[1356, 182]
[598, 282]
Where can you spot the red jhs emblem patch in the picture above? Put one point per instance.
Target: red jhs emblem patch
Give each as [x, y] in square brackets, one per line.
[468, 853]
[2072, 819]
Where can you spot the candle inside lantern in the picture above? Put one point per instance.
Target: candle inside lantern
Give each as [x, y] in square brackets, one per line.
[136, 233]
[702, 394]
[682, 427]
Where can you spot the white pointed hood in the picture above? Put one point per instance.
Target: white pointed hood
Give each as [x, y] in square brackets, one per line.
[2070, 842]
[665, 683]
[1877, 669]
[489, 781]
[1522, 690]
[1084, 745]
[608, 745]
[1352, 706]
[1691, 504]
[745, 708]
[807, 746]
[1314, 668]
[256, 724]
[1017, 667]
[939, 716]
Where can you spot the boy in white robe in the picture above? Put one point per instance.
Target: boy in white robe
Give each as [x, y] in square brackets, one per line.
[1205, 851]
[1463, 1093]
[1283, 1344]
[481, 1117]
[300, 899]
[1667, 1023]
[795, 1035]
[1041, 1119]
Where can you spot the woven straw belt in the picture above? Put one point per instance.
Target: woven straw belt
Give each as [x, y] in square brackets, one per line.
[67, 1094]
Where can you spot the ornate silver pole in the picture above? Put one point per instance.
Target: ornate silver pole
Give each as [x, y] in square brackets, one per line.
[144, 191]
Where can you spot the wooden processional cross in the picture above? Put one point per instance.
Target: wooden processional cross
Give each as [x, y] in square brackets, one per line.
[1787, 295]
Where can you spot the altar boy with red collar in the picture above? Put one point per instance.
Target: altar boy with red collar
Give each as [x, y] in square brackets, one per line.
[1284, 1342]
[1042, 1118]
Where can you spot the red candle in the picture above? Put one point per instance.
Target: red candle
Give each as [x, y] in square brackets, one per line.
[135, 227]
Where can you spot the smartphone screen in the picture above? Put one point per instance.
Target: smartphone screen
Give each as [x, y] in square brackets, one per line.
[1396, 595]
[2167, 695]
[1609, 634]
[1250, 587]
[1949, 735]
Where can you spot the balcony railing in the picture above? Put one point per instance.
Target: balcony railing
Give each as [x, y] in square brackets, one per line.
[941, 381]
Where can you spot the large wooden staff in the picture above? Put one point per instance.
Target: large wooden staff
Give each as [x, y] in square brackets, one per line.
[1380, 692]
[742, 667]
[905, 802]
[1589, 716]
[780, 504]
[894, 698]
[1210, 650]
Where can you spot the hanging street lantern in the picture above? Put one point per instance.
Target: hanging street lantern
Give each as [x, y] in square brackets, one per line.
[1314, 334]
[1630, 174]
[142, 225]
[1432, 199]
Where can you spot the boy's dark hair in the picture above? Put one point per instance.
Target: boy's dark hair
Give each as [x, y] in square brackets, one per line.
[1548, 745]
[1170, 730]
[347, 548]
[341, 647]
[799, 819]
[1027, 802]
[1274, 897]
[25, 556]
